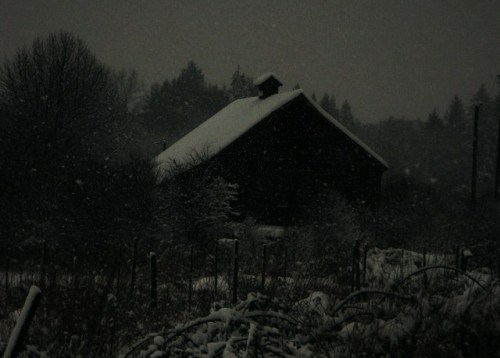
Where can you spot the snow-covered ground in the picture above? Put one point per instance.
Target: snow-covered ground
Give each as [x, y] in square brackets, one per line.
[374, 321]
[323, 319]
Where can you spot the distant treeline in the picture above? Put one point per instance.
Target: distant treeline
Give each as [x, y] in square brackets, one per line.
[173, 107]
[76, 139]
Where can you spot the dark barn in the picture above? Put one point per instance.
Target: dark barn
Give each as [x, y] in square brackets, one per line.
[282, 150]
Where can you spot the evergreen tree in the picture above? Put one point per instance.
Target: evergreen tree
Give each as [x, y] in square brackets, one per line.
[156, 108]
[434, 121]
[328, 104]
[325, 102]
[188, 89]
[455, 162]
[334, 111]
[481, 97]
[241, 86]
[177, 106]
[346, 116]
[455, 115]
[487, 109]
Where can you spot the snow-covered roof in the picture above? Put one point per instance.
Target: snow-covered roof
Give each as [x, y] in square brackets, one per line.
[232, 122]
[222, 128]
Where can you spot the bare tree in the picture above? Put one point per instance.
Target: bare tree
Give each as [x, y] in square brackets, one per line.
[62, 113]
[57, 95]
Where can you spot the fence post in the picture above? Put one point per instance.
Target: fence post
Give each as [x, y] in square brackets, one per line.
[364, 265]
[424, 263]
[235, 272]
[353, 276]
[264, 261]
[216, 268]
[23, 322]
[190, 292]
[402, 265]
[285, 258]
[74, 278]
[474, 159]
[42, 264]
[134, 265]
[7, 268]
[358, 273]
[154, 282]
[463, 260]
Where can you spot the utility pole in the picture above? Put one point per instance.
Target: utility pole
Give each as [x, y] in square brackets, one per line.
[474, 158]
[497, 173]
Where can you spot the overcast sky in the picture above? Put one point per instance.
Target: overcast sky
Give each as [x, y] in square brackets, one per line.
[385, 57]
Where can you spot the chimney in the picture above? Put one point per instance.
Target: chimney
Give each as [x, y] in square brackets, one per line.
[268, 85]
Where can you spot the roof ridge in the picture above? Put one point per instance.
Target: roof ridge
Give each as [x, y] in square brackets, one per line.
[234, 120]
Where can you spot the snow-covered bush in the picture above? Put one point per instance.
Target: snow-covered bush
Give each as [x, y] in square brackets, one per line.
[196, 202]
[453, 314]
[256, 326]
[332, 229]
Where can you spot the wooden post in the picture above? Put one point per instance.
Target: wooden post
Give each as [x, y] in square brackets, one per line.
[190, 292]
[74, 279]
[358, 273]
[424, 263]
[264, 262]
[134, 265]
[154, 281]
[119, 279]
[377, 213]
[235, 272]
[23, 322]
[54, 268]
[285, 262]
[216, 268]
[497, 172]
[7, 268]
[43, 263]
[474, 157]
[463, 259]
[402, 262]
[353, 276]
[364, 265]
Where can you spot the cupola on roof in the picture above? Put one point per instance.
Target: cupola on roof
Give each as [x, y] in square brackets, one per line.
[268, 85]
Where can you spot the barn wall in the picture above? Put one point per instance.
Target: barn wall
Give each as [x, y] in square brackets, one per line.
[283, 163]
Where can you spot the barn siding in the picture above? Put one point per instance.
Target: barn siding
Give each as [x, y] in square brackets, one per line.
[283, 163]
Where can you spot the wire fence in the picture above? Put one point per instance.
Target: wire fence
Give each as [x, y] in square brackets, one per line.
[181, 282]
[191, 276]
